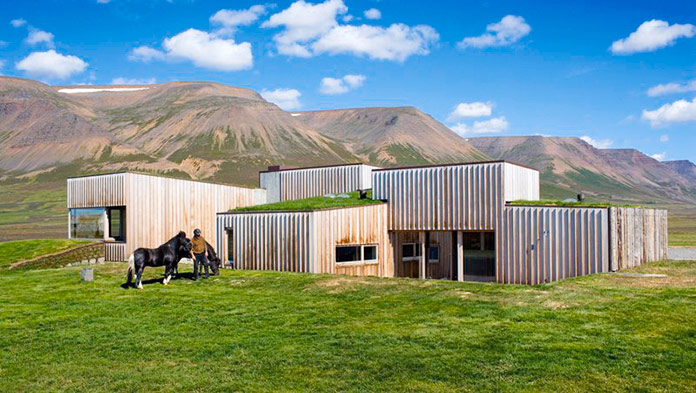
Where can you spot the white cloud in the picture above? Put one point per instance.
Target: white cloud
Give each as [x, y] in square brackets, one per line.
[372, 13]
[230, 19]
[664, 138]
[651, 36]
[333, 86]
[286, 99]
[37, 36]
[50, 64]
[509, 30]
[677, 112]
[19, 22]
[146, 54]
[492, 126]
[598, 143]
[312, 29]
[132, 81]
[347, 18]
[396, 43]
[103, 1]
[659, 156]
[202, 49]
[671, 88]
[470, 109]
[304, 22]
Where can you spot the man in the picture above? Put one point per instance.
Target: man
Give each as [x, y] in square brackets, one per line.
[199, 254]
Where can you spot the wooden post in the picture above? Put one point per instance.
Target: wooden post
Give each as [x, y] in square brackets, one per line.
[460, 256]
[422, 261]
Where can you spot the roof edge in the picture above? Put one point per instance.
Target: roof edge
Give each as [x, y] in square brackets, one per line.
[457, 164]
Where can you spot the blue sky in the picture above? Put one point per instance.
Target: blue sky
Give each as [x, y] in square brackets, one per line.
[620, 73]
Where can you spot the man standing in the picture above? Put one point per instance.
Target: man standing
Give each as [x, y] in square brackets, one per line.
[199, 254]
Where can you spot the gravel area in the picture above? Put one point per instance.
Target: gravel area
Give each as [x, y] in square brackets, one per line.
[682, 253]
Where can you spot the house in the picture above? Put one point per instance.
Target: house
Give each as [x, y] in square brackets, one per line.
[130, 210]
[477, 221]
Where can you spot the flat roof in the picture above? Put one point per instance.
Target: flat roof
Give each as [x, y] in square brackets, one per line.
[164, 177]
[457, 164]
[317, 167]
[309, 204]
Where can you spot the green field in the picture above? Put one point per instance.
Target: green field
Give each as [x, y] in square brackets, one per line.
[266, 331]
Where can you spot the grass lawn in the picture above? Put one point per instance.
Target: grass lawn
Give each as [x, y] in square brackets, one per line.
[315, 203]
[266, 331]
[15, 251]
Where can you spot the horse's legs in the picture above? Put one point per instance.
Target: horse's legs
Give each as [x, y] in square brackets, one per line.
[167, 274]
[139, 277]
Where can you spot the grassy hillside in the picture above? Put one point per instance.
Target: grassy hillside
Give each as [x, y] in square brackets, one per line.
[21, 250]
[264, 331]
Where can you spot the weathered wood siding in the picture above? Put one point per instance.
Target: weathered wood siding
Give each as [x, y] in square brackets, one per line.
[637, 236]
[456, 197]
[157, 208]
[521, 183]
[97, 191]
[544, 244]
[306, 241]
[303, 183]
[115, 251]
[362, 225]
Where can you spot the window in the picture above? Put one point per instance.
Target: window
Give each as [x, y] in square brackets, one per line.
[410, 251]
[369, 253]
[230, 247]
[347, 253]
[117, 223]
[358, 254]
[87, 223]
[434, 254]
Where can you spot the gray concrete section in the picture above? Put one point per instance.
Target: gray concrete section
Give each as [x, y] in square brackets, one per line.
[682, 253]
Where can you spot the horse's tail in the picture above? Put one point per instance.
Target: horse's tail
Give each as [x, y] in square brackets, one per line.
[131, 267]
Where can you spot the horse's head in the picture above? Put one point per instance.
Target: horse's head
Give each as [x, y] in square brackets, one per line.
[215, 263]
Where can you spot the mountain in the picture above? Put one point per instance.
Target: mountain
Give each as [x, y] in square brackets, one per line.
[391, 136]
[685, 168]
[570, 165]
[191, 129]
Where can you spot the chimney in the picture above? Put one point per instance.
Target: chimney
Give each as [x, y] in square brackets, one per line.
[277, 168]
[581, 197]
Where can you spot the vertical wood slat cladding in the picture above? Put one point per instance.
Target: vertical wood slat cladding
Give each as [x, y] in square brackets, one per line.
[115, 252]
[544, 244]
[306, 241]
[458, 197]
[157, 208]
[637, 236]
[97, 191]
[520, 183]
[305, 183]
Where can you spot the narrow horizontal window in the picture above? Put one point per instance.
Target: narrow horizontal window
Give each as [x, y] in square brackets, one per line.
[347, 253]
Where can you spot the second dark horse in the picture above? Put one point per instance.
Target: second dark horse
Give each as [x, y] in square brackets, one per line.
[169, 254]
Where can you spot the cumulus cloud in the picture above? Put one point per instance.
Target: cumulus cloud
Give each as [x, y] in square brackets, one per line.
[671, 88]
[664, 138]
[598, 143]
[312, 29]
[37, 36]
[651, 36]
[680, 111]
[50, 64]
[19, 22]
[372, 13]
[231, 19]
[132, 81]
[659, 156]
[491, 126]
[333, 86]
[509, 30]
[470, 109]
[286, 99]
[202, 49]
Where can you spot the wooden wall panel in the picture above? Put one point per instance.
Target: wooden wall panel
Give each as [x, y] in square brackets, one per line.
[361, 225]
[637, 236]
[96, 191]
[544, 244]
[115, 252]
[521, 183]
[455, 197]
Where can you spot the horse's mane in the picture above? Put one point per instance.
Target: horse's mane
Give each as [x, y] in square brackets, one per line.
[179, 236]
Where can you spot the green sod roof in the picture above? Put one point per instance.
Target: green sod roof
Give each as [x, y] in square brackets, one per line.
[566, 204]
[312, 204]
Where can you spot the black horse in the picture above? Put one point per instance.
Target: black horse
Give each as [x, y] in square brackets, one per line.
[167, 255]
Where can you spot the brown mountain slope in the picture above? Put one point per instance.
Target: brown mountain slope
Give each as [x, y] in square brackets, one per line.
[685, 168]
[389, 136]
[570, 165]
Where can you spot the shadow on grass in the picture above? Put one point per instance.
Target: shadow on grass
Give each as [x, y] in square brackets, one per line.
[180, 276]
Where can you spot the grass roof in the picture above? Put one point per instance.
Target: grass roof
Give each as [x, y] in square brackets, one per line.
[312, 204]
[566, 204]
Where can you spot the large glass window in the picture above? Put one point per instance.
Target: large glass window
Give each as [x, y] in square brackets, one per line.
[87, 223]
